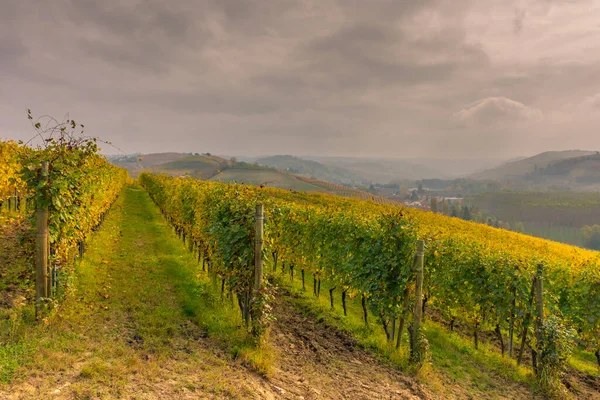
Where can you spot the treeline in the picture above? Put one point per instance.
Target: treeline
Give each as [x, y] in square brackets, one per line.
[455, 208]
[559, 216]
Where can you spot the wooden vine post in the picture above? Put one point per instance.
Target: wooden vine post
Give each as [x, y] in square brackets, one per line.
[416, 346]
[539, 300]
[41, 246]
[258, 261]
[526, 321]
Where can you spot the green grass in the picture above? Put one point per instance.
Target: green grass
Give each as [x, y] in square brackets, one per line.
[584, 361]
[138, 310]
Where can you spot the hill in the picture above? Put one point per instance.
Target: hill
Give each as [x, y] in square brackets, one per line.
[310, 168]
[516, 169]
[576, 171]
[174, 164]
[381, 170]
[264, 176]
[198, 166]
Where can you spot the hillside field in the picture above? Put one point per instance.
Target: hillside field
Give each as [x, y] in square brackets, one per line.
[265, 177]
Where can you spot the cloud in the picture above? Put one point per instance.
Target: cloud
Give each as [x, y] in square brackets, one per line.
[496, 110]
[330, 76]
[592, 103]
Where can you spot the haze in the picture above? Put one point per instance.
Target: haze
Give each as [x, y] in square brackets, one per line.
[446, 79]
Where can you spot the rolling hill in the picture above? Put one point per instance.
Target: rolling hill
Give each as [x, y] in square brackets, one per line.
[381, 170]
[519, 168]
[310, 168]
[198, 166]
[174, 164]
[265, 177]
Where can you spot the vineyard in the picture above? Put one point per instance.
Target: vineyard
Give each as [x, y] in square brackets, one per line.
[344, 191]
[538, 299]
[56, 194]
[478, 275]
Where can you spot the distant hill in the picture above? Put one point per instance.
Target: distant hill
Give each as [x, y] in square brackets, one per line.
[310, 168]
[175, 164]
[582, 173]
[382, 170]
[519, 168]
[199, 166]
[254, 175]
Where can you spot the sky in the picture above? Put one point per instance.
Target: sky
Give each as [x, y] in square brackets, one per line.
[377, 78]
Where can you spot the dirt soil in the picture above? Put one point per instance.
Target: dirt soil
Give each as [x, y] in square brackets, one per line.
[16, 259]
[317, 361]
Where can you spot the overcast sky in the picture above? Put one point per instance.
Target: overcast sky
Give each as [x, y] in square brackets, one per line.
[393, 78]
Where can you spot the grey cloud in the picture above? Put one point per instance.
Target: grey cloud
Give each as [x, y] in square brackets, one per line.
[129, 19]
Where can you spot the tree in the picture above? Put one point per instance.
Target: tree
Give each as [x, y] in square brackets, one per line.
[466, 214]
[434, 205]
[519, 227]
[414, 196]
[420, 189]
[404, 192]
[372, 189]
[591, 236]
[454, 211]
[445, 207]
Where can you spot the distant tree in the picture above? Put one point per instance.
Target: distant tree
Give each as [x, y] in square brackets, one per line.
[414, 196]
[591, 236]
[233, 160]
[519, 227]
[434, 205]
[490, 221]
[420, 188]
[466, 214]
[404, 192]
[445, 207]
[497, 223]
[454, 211]
[372, 189]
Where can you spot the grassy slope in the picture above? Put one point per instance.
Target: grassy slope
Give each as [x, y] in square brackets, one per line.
[267, 177]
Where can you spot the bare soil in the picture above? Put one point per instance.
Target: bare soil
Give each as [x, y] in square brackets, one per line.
[317, 361]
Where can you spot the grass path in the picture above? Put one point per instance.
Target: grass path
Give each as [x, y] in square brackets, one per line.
[130, 329]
